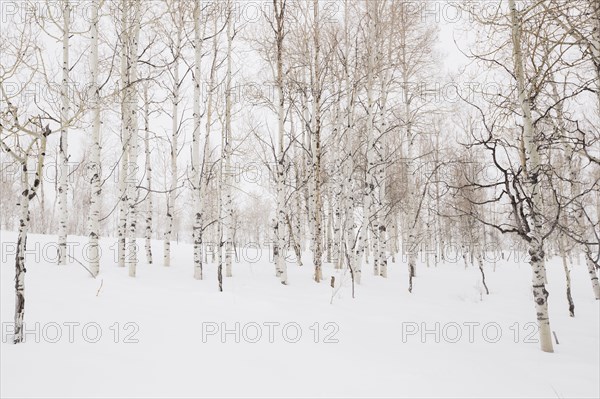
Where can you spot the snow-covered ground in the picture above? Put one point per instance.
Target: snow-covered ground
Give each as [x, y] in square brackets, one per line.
[169, 341]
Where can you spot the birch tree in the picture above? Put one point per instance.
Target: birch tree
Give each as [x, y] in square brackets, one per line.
[24, 139]
[148, 229]
[63, 24]
[64, 144]
[132, 128]
[36, 149]
[531, 166]
[528, 180]
[124, 39]
[227, 182]
[278, 26]
[95, 154]
[177, 13]
[316, 91]
[196, 163]
[372, 29]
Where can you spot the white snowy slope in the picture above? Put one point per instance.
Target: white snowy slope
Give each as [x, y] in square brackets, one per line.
[372, 358]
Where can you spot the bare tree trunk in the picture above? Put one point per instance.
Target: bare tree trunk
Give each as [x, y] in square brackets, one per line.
[220, 231]
[95, 153]
[63, 185]
[172, 195]
[293, 240]
[196, 167]
[591, 265]
[465, 254]
[393, 239]
[595, 47]
[412, 225]
[482, 271]
[124, 161]
[368, 212]
[350, 241]
[220, 191]
[329, 226]
[563, 255]
[337, 192]
[536, 245]
[29, 192]
[227, 149]
[295, 224]
[205, 169]
[148, 173]
[381, 149]
[23, 204]
[132, 196]
[281, 264]
[316, 144]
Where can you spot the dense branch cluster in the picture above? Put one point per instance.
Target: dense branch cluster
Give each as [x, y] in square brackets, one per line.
[306, 125]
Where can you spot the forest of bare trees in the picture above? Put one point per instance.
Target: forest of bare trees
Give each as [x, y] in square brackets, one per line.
[329, 132]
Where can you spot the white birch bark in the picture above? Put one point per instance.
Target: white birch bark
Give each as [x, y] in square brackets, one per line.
[382, 232]
[465, 253]
[219, 194]
[474, 237]
[411, 227]
[95, 153]
[207, 131]
[337, 180]
[123, 162]
[393, 238]
[172, 195]
[196, 168]
[381, 149]
[306, 168]
[227, 181]
[281, 264]
[573, 168]
[295, 224]
[563, 256]
[338, 189]
[28, 192]
[350, 241]
[439, 239]
[308, 165]
[591, 266]
[316, 145]
[532, 159]
[368, 210]
[329, 226]
[63, 211]
[148, 173]
[219, 239]
[23, 205]
[595, 47]
[132, 121]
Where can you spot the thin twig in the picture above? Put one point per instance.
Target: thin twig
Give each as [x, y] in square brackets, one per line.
[82, 265]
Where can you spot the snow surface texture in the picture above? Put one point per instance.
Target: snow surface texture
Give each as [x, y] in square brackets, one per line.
[378, 352]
